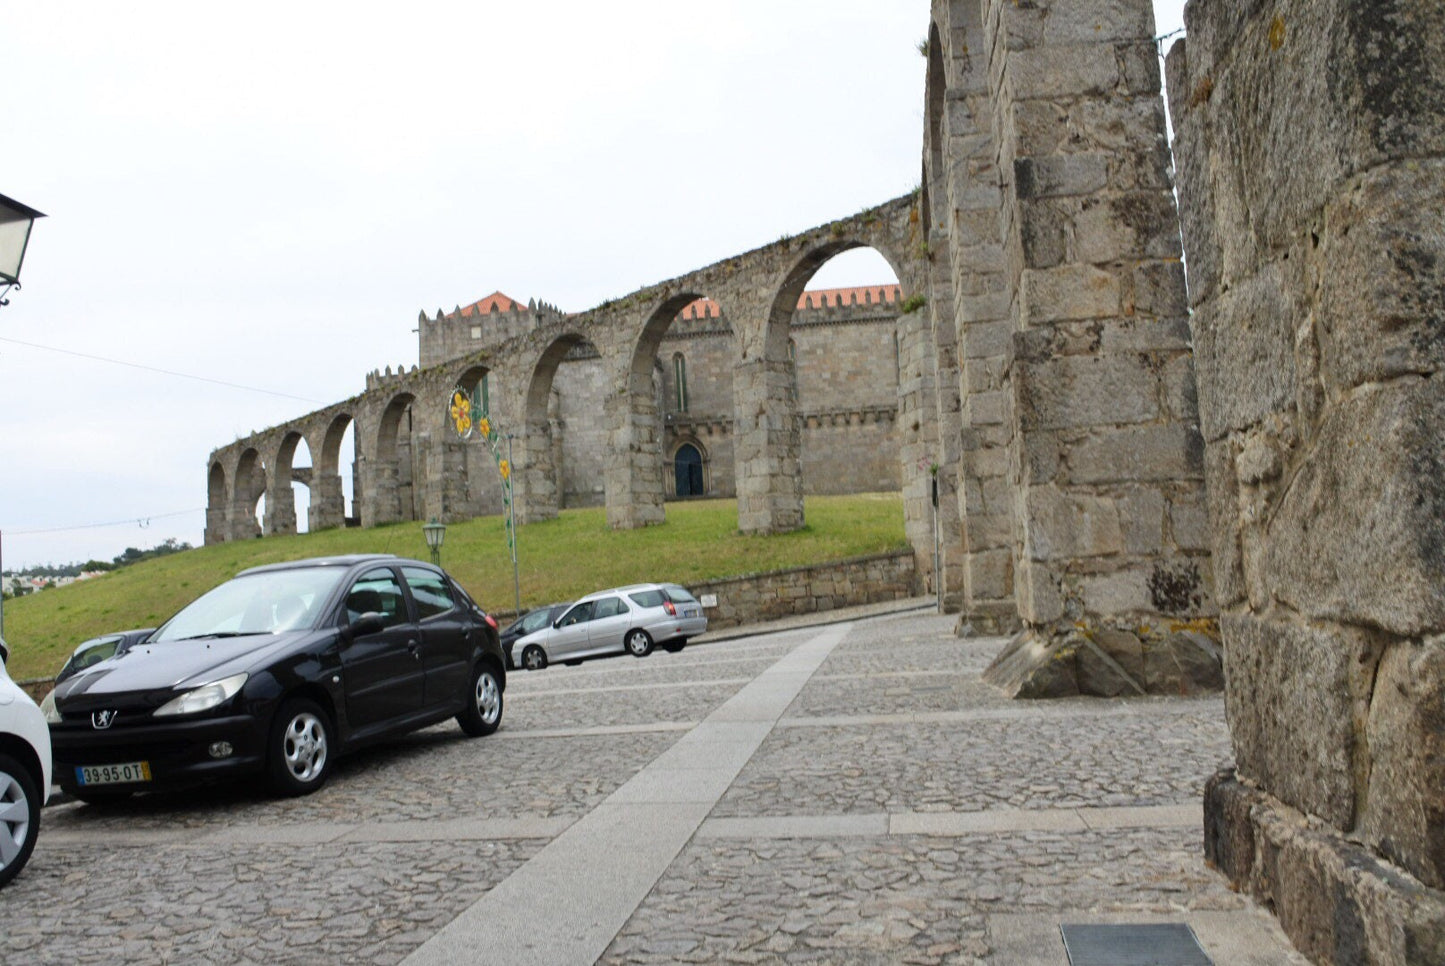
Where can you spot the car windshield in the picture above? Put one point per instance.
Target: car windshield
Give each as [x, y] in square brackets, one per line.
[264, 603]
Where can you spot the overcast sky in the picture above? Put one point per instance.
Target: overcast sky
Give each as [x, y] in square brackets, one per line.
[266, 195]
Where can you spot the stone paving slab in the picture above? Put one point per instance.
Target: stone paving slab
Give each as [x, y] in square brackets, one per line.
[615, 706]
[289, 903]
[903, 899]
[1042, 762]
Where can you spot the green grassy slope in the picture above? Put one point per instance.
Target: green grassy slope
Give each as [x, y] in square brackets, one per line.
[558, 560]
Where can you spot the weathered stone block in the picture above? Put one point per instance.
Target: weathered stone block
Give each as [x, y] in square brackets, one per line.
[990, 574]
[1123, 648]
[1359, 536]
[1059, 175]
[1040, 598]
[1073, 291]
[1339, 903]
[1226, 548]
[1079, 391]
[1294, 694]
[1141, 516]
[1061, 71]
[1066, 526]
[1098, 673]
[1116, 594]
[1381, 269]
[1183, 663]
[1151, 453]
[1244, 353]
[1404, 813]
[1031, 667]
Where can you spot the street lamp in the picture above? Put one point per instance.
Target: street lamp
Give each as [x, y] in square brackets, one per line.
[15, 223]
[435, 533]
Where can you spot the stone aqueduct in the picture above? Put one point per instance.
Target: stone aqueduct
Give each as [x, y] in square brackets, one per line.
[757, 291]
[1050, 378]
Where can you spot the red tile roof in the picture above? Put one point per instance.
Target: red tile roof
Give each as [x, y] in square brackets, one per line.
[813, 299]
[496, 302]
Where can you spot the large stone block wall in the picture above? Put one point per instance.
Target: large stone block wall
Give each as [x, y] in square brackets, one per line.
[807, 590]
[1311, 154]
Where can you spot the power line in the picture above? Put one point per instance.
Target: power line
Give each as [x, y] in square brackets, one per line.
[165, 372]
[142, 522]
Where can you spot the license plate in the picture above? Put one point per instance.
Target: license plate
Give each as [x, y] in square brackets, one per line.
[131, 771]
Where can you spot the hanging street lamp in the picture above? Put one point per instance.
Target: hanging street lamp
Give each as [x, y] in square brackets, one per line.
[16, 221]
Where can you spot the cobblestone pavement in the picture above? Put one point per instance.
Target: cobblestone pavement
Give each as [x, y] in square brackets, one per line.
[899, 811]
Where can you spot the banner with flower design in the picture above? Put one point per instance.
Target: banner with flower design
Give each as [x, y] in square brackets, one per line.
[468, 416]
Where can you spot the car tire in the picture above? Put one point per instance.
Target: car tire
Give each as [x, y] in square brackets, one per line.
[672, 647]
[298, 754]
[639, 643]
[534, 658]
[483, 714]
[19, 817]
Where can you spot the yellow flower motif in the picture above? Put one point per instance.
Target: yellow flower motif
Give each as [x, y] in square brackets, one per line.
[506, 469]
[484, 426]
[461, 413]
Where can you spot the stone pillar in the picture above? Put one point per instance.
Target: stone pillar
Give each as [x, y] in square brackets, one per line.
[1106, 459]
[1311, 152]
[328, 502]
[634, 465]
[217, 530]
[280, 506]
[965, 200]
[535, 490]
[767, 448]
[948, 419]
[383, 498]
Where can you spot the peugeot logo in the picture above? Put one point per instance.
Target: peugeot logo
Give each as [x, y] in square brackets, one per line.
[102, 719]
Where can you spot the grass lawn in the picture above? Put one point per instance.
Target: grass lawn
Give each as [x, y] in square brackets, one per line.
[558, 559]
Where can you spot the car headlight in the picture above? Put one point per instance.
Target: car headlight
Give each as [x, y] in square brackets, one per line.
[47, 706]
[203, 698]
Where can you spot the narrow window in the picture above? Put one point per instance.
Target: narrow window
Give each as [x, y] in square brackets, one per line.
[679, 376]
[793, 369]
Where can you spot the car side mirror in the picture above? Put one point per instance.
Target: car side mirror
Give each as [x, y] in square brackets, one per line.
[369, 623]
[557, 624]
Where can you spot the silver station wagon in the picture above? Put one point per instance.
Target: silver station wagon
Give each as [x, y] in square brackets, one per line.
[634, 619]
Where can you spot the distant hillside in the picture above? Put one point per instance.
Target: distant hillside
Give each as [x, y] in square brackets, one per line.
[558, 560]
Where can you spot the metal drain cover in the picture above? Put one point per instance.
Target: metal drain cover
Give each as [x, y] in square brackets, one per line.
[1134, 944]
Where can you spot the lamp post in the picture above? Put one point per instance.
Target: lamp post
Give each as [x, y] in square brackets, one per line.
[15, 223]
[435, 533]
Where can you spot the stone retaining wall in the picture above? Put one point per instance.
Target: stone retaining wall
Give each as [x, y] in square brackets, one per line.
[806, 590]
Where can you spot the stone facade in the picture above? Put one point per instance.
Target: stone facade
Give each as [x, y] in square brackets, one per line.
[1311, 156]
[846, 391]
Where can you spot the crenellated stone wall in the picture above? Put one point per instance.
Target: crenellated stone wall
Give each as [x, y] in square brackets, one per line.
[1311, 153]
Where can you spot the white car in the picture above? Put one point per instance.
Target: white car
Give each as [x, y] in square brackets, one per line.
[24, 772]
[632, 619]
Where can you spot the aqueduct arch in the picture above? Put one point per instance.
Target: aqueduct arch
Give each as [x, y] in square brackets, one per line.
[389, 466]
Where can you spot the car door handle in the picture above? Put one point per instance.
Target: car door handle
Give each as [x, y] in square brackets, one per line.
[411, 646]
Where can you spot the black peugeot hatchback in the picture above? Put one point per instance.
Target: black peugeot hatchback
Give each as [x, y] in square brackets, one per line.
[277, 672]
